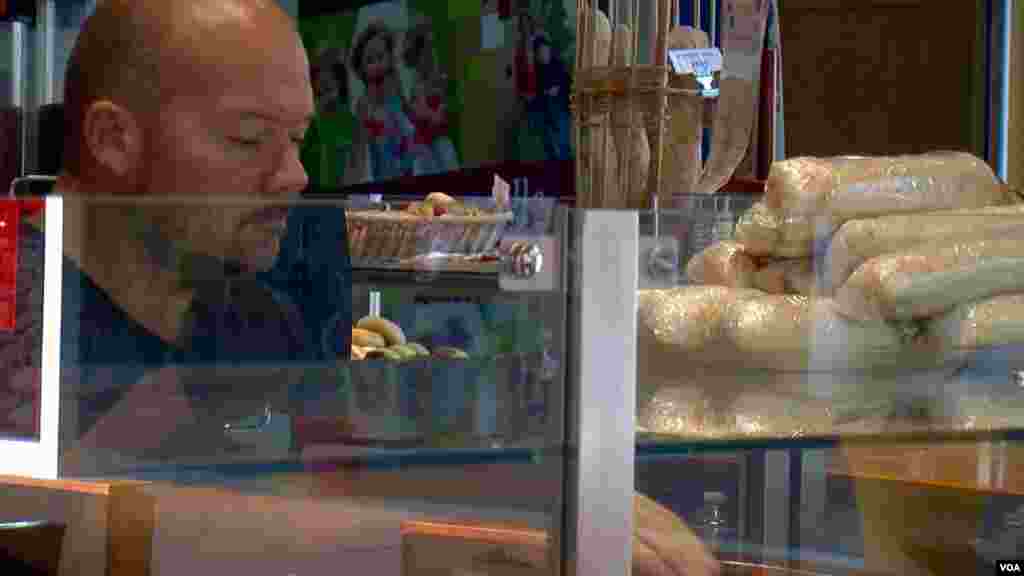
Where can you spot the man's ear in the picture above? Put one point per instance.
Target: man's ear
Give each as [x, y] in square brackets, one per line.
[113, 136]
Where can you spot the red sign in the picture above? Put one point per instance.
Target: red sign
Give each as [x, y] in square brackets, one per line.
[10, 216]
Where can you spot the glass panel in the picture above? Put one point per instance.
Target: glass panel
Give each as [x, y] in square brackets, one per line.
[211, 348]
[914, 507]
[838, 437]
[806, 349]
[859, 508]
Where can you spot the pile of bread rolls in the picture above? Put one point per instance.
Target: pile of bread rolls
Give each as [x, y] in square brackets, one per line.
[854, 265]
[375, 337]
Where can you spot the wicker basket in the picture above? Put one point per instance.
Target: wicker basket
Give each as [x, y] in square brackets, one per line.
[387, 237]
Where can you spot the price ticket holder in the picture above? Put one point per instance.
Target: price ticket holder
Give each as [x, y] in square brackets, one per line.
[664, 259]
[701, 63]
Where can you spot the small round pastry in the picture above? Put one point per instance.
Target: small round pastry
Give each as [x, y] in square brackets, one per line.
[451, 353]
[389, 330]
[367, 339]
[383, 354]
[440, 199]
[405, 351]
[419, 348]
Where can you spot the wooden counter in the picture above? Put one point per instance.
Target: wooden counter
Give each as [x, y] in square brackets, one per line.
[109, 525]
[984, 467]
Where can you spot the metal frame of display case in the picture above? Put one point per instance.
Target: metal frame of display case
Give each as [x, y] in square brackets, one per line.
[602, 388]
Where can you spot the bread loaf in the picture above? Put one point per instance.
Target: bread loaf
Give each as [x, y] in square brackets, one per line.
[677, 410]
[758, 230]
[811, 197]
[722, 264]
[602, 173]
[734, 119]
[787, 332]
[932, 279]
[640, 162]
[603, 193]
[787, 277]
[725, 402]
[682, 162]
[679, 352]
[765, 234]
[599, 51]
[860, 240]
[630, 135]
[858, 187]
[687, 318]
[622, 47]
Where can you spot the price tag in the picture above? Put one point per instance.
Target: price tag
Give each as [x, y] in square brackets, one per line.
[700, 62]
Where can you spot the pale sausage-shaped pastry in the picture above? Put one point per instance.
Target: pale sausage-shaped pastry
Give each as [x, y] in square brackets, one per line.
[722, 264]
[687, 319]
[933, 278]
[796, 333]
[988, 323]
[810, 198]
[787, 277]
[860, 240]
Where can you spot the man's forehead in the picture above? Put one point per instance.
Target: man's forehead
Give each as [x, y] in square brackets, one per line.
[264, 70]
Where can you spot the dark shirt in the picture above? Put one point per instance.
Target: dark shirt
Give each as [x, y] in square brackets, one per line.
[298, 313]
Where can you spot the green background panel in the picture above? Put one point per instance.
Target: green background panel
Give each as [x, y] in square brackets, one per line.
[463, 9]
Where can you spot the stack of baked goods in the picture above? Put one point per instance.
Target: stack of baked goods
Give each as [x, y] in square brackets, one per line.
[375, 337]
[850, 273]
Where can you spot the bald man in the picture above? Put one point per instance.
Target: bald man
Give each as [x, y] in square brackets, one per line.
[200, 108]
[170, 328]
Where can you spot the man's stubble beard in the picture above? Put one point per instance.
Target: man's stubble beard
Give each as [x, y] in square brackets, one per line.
[201, 233]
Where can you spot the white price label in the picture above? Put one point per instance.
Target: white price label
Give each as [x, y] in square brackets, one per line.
[701, 62]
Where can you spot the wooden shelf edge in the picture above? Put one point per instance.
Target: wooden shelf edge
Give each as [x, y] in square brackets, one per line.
[96, 487]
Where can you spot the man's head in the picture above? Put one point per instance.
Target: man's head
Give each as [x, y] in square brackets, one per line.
[199, 98]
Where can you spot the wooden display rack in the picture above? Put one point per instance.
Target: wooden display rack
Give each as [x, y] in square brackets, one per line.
[607, 99]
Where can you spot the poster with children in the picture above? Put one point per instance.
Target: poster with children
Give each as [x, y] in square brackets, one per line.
[421, 87]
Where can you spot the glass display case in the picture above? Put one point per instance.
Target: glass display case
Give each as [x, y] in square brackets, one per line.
[796, 447]
[243, 408]
[545, 400]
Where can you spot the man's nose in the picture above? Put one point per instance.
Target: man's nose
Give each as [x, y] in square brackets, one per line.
[289, 177]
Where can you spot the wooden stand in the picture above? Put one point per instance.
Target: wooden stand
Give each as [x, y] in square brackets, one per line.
[108, 525]
[611, 92]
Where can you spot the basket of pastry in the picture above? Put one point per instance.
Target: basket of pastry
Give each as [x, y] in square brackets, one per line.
[437, 224]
